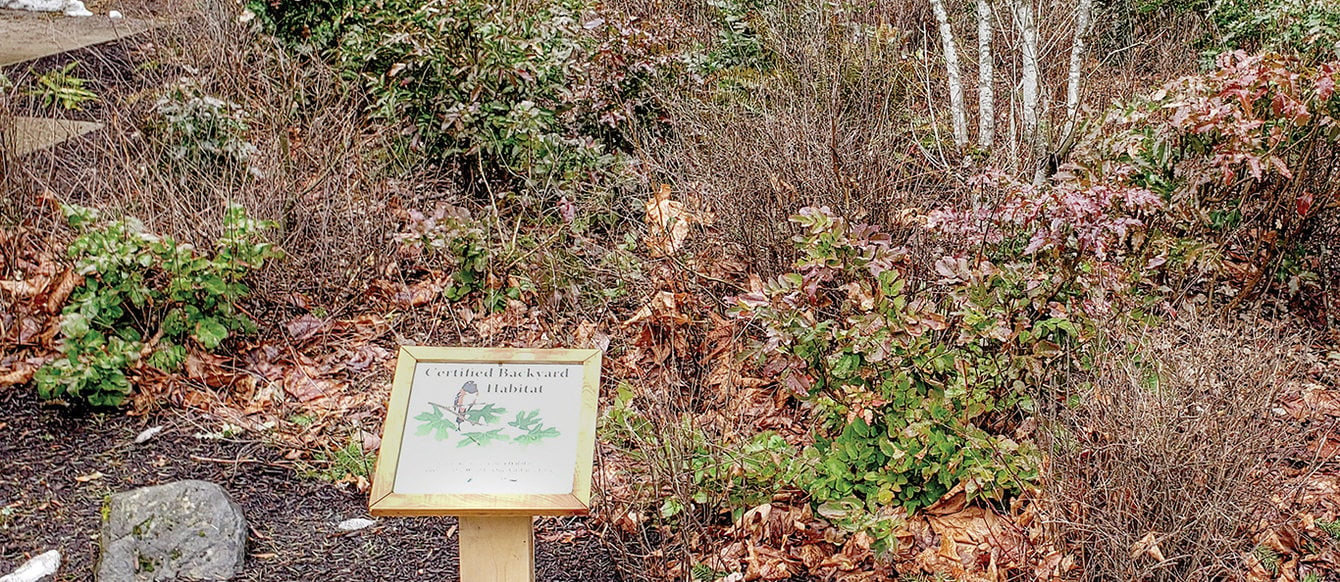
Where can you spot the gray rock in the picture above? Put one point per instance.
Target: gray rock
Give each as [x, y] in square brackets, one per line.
[188, 530]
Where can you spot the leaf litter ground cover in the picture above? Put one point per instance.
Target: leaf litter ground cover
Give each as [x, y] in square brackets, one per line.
[328, 374]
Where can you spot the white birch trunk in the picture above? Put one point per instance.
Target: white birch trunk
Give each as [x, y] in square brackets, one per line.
[1082, 15]
[957, 114]
[1014, 131]
[986, 98]
[1028, 48]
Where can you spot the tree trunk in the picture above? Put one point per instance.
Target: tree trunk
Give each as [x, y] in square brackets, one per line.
[1028, 48]
[986, 98]
[957, 114]
[1082, 14]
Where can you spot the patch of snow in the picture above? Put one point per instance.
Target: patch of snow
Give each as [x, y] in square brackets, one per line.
[348, 525]
[69, 7]
[76, 8]
[35, 569]
[34, 5]
[148, 434]
[112, 14]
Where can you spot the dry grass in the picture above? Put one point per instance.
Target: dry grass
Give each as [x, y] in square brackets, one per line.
[852, 111]
[1159, 471]
[828, 124]
[315, 171]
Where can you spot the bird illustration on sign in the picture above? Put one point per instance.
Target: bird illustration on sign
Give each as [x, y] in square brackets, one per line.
[484, 421]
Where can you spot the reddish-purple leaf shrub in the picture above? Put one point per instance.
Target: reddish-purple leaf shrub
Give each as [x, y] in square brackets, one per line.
[1243, 161]
[916, 379]
[1221, 183]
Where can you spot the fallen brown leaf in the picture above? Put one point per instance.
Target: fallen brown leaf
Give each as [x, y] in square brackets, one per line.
[20, 288]
[667, 223]
[304, 326]
[89, 477]
[20, 375]
[57, 296]
[419, 293]
[765, 563]
[976, 543]
[367, 356]
[304, 384]
[1322, 401]
[210, 369]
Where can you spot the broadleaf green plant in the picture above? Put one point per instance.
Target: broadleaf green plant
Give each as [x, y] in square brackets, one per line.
[531, 96]
[61, 87]
[143, 298]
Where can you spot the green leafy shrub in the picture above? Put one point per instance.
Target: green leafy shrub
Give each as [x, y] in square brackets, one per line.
[535, 96]
[477, 80]
[914, 381]
[303, 23]
[1310, 30]
[450, 234]
[143, 297]
[745, 475]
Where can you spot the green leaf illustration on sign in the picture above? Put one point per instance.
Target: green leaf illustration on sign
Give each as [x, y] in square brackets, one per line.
[486, 414]
[467, 413]
[436, 423]
[525, 420]
[481, 438]
[536, 434]
[534, 428]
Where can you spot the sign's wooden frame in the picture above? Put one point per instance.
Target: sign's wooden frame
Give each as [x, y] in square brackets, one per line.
[384, 502]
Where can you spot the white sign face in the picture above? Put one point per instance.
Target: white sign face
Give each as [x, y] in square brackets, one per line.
[487, 428]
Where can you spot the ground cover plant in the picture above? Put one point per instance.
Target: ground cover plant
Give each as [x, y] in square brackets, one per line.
[842, 341]
[143, 297]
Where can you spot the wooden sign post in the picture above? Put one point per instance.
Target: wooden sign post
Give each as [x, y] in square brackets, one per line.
[493, 436]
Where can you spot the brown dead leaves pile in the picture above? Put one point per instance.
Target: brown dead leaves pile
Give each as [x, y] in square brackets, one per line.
[32, 294]
[329, 372]
[779, 540]
[970, 543]
[1301, 536]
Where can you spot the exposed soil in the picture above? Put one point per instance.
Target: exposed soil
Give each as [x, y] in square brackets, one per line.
[109, 70]
[51, 496]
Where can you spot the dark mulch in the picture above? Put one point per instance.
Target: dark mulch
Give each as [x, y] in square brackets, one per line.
[48, 502]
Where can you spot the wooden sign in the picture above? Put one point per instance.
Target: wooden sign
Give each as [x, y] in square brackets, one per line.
[493, 436]
[488, 431]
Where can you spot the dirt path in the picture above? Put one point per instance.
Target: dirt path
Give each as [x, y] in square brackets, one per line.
[51, 496]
